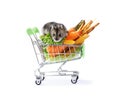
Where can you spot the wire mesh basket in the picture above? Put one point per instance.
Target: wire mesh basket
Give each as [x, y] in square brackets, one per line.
[60, 53]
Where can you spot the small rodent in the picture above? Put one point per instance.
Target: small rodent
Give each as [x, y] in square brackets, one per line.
[57, 31]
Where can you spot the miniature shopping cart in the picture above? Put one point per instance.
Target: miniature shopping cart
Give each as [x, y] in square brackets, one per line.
[71, 52]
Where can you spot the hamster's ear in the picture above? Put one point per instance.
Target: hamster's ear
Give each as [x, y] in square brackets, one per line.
[51, 27]
[61, 26]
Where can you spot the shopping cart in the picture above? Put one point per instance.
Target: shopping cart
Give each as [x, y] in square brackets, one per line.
[71, 52]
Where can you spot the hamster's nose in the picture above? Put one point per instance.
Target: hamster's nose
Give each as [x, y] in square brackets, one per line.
[56, 39]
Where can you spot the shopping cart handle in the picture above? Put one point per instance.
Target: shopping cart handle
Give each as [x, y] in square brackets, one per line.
[35, 30]
[32, 31]
[29, 31]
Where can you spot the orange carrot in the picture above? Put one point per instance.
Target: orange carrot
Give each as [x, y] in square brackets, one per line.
[73, 35]
[55, 50]
[75, 32]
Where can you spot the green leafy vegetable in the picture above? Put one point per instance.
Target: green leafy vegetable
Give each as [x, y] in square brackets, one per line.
[46, 39]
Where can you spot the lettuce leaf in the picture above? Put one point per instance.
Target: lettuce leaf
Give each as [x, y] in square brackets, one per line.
[46, 39]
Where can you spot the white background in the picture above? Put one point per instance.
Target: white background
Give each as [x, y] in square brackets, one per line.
[99, 69]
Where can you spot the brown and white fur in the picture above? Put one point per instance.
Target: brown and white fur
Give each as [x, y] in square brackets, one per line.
[57, 31]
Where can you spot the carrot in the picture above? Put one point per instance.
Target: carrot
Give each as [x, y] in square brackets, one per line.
[55, 50]
[75, 32]
[73, 35]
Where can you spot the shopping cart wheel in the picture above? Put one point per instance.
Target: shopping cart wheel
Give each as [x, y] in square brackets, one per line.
[38, 81]
[43, 78]
[74, 79]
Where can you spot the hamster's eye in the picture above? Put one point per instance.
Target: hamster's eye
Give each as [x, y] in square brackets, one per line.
[60, 35]
[53, 34]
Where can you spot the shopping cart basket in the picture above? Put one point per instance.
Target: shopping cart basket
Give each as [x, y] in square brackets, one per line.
[71, 52]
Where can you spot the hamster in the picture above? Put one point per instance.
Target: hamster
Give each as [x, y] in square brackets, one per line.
[57, 31]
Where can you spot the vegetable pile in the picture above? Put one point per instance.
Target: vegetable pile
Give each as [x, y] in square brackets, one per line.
[76, 36]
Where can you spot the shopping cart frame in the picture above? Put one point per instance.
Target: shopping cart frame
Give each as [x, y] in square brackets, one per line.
[36, 42]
